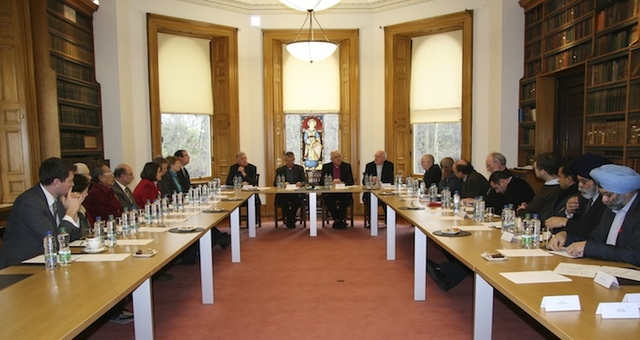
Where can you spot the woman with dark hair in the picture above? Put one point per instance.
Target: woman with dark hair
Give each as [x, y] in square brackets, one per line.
[81, 185]
[147, 189]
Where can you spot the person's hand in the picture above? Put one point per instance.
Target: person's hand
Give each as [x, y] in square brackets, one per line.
[72, 202]
[555, 222]
[467, 201]
[557, 241]
[336, 181]
[522, 205]
[572, 205]
[298, 184]
[576, 248]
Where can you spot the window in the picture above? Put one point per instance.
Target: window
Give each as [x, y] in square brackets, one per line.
[192, 132]
[439, 139]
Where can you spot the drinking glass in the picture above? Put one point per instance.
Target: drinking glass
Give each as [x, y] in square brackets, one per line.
[216, 198]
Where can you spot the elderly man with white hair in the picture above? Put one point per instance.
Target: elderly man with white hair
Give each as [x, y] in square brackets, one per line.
[617, 237]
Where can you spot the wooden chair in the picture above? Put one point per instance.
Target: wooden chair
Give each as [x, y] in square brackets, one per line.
[301, 215]
[326, 214]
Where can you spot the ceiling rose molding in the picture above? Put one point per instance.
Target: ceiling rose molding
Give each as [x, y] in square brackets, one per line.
[276, 7]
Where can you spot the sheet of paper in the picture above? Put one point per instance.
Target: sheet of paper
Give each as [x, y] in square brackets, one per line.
[574, 269]
[103, 257]
[444, 218]
[542, 276]
[40, 258]
[564, 253]
[134, 242]
[187, 213]
[474, 227]
[174, 220]
[523, 252]
[152, 229]
[625, 273]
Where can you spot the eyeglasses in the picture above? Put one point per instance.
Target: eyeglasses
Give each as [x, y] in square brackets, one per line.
[107, 174]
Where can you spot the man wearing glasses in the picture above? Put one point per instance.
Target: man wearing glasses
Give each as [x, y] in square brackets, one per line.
[102, 201]
[123, 177]
[617, 237]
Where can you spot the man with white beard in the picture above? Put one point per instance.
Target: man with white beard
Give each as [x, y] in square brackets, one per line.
[582, 213]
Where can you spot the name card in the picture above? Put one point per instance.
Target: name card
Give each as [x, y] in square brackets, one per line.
[606, 280]
[291, 187]
[247, 186]
[632, 297]
[618, 310]
[340, 186]
[509, 237]
[462, 214]
[560, 303]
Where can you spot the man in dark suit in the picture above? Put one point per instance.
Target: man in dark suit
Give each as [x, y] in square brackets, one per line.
[432, 172]
[449, 179]
[249, 175]
[183, 174]
[582, 213]
[617, 237]
[47, 206]
[473, 183]
[292, 174]
[124, 176]
[383, 172]
[337, 203]
[515, 190]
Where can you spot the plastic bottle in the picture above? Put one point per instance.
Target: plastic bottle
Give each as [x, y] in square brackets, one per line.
[64, 252]
[133, 222]
[126, 229]
[456, 202]
[50, 251]
[110, 240]
[165, 206]
[511, 218]
[446, 197]
[97, 228]
[527, 233]
[174, 200]
[433, 192]
[180, 198]
[154, 212]
[147, 211]
[504, 217]
[535, 231]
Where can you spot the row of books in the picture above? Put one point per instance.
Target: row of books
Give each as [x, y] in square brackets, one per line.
[79, 116]
[80, 19]
[527, 114]
[571, 34]
[605, 133]
[69, 48]
[567, 58]
[532, 51]
[554, 5]
[533, 15]
[529, 91]
[633, 163]
[609, 100]
[618, 12]
[66, 28]
[528, 136]
[534, 32]
[609, 71]
[634, 96]
[79, 93]
[531, 69]
[616, 41]
[568, 15]
[77, 141]
[70, 69]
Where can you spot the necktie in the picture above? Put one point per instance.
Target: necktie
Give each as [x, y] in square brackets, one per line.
[54, 212]
[129, 195]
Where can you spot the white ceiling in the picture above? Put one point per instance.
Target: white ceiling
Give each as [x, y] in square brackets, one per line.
[275, 6]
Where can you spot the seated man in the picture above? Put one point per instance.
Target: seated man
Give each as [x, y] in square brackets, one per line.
[170, 182]
[617, 237]
[432, 172]
[449, 179]
[47, 206]
[337, 203]
[382, 171]
[183, 174]
[248, 174]
[123, 177]
[293, 174]
[473, 183]
[102, 201]
[515, 190]
[545, 167]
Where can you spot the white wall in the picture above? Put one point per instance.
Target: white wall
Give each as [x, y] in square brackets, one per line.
[121, 58]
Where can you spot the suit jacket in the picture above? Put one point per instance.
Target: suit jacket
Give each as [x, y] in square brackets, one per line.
[27, 224]
[475, 185]
[297, 171]
[452, 182]
[102, 201]
[433, 175]
[250, 170]
[627, 248]
[387, 171]
[122, 197]
[167, 185]
[185, 180]
[586, 219]
[518, 191]
[145, 190]
[542, 203]
[346, 175]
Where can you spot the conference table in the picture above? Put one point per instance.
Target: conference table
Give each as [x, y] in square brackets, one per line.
[488, 278]
[61, 303]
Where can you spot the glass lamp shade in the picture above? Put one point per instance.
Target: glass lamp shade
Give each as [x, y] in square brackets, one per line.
[305, 5]
[311, 50]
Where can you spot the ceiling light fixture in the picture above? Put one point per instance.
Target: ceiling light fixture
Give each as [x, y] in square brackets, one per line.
[311, 50]
[305, 5]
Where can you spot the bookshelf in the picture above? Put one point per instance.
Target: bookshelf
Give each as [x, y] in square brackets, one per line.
[69, 52]
[600, 39]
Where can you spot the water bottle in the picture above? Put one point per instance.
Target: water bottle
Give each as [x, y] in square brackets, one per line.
[97, 227]
[327, 181]
[50, 250]
[433, 192]
[64, 252]
[456, 203]
[446, 197]
[154, 212]
[527, 233]
[180, 198]
[110, 241]
[504, 217]
[165, 206]
[535, 231]
[423, 189]
[126, 229]
[147, 211]
[133, 222]
[398, 183]
[478, 210]
[174, 200]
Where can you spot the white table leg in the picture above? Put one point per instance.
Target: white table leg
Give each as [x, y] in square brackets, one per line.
[373, 215]
[206, 268]
[313, 215]
[143, 306]
[420, 266]
[391, 233]
[251, 215]
[482, 309]
[235, 235]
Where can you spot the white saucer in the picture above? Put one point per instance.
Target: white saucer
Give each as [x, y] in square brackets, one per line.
[94, 251]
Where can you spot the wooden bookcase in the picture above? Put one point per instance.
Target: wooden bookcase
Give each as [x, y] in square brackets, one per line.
[599, 38]
[66, 47]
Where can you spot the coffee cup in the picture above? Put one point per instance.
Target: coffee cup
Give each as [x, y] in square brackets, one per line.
[93, 243]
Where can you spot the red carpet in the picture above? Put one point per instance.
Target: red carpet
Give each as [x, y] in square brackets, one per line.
[338, 285]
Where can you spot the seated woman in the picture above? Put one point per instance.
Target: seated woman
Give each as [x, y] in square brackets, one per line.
[81, 185]
[147, 188]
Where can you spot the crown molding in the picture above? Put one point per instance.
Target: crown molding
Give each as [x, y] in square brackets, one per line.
[276, 7]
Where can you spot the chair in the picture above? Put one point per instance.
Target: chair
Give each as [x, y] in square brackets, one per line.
[326, 214]
[301, 215]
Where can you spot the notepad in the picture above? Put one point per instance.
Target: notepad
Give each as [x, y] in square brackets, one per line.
[542, 276]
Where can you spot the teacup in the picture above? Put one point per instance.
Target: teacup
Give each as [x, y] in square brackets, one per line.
[93, 243]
